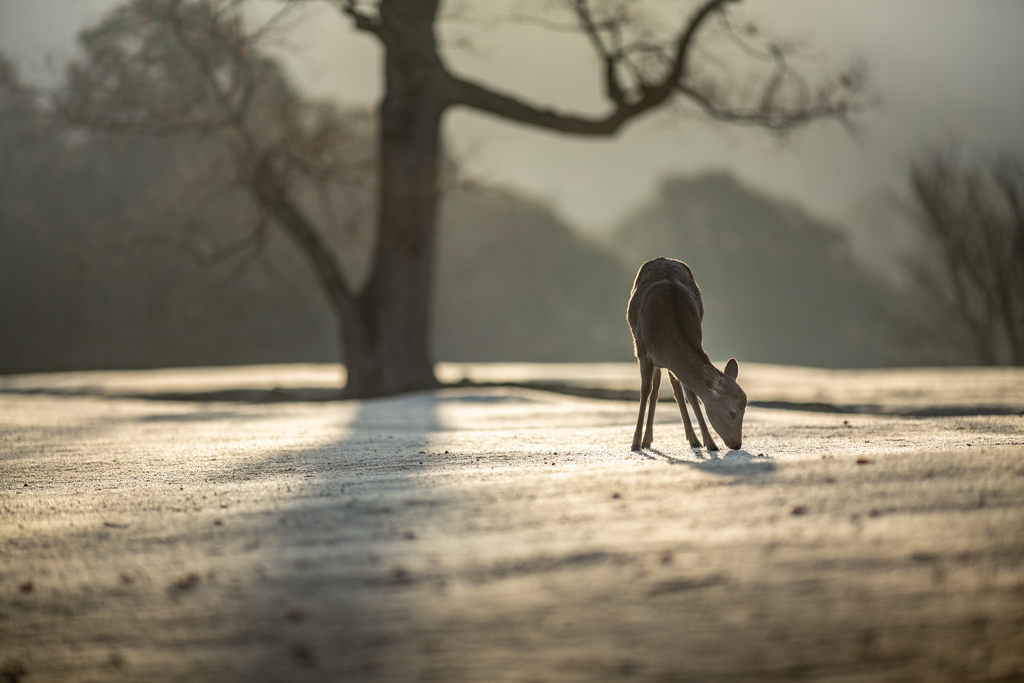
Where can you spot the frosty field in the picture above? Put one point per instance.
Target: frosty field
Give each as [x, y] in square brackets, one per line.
[871, 529]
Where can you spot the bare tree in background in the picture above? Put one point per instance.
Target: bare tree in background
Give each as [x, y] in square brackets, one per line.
[259, 154]
[971, 269]
[386, 320]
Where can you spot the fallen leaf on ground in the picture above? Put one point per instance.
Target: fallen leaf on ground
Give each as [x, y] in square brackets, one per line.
[187, 581]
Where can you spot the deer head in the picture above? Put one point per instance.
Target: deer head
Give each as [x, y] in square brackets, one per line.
[724, 402]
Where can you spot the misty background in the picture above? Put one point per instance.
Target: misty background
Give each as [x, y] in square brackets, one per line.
[800, 246]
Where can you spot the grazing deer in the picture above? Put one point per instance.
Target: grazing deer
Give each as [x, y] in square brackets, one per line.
[665, 313]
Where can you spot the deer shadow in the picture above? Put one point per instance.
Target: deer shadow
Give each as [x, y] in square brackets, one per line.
[733, 462]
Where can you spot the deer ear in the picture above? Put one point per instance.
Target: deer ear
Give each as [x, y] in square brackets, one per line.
[732, 369]
[712, 380]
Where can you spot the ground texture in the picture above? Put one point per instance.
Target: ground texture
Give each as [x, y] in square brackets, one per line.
[502, 533]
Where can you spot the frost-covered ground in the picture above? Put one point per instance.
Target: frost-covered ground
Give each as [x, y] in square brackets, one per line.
[508, 534]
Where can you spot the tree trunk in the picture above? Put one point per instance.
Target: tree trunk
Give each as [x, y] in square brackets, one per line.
[385, 329]
[387, 349]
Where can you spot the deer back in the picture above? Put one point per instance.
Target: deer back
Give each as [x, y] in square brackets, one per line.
[665, 310]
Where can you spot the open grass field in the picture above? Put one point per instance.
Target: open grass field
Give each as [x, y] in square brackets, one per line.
[151, 529]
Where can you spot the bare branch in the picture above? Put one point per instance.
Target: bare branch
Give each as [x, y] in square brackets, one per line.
[210, 257]
[466, 93]
[685, 43]
[273, 24]
[776, 118]
[246, 257]
[255, 240]
[772, 110]
[469, 94]
[272, 196]
[206, 70]
[741, 42]
[610, 56]
[967, 221]
[363, 18]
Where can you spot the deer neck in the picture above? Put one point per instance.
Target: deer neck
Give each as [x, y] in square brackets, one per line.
[690, 371]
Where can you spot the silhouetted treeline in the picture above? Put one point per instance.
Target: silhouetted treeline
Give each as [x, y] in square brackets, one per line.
[101, 266]
[778, 285]
[104, 265]
[91, 278]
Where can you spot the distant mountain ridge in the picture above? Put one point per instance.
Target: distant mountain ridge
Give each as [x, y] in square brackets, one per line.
[778, 285]
[516, 283]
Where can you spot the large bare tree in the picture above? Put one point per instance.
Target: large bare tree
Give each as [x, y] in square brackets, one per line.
[385, 321]
[640, 72]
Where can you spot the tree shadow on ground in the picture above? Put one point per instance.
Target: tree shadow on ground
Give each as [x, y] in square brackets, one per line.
[352, 565]
[311, 566]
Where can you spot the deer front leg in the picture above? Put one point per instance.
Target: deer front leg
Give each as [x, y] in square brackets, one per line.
[655, 388]
[709, 443]
[677, 391]
[646, 383]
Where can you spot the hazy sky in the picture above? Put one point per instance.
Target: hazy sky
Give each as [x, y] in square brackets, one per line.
[944, 69]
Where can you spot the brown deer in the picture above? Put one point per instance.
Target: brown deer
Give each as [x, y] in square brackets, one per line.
[665, 314]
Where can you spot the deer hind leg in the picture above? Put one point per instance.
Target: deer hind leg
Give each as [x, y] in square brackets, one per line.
[655, 388]
[647, 368]
[709, 443]
[677, 391]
